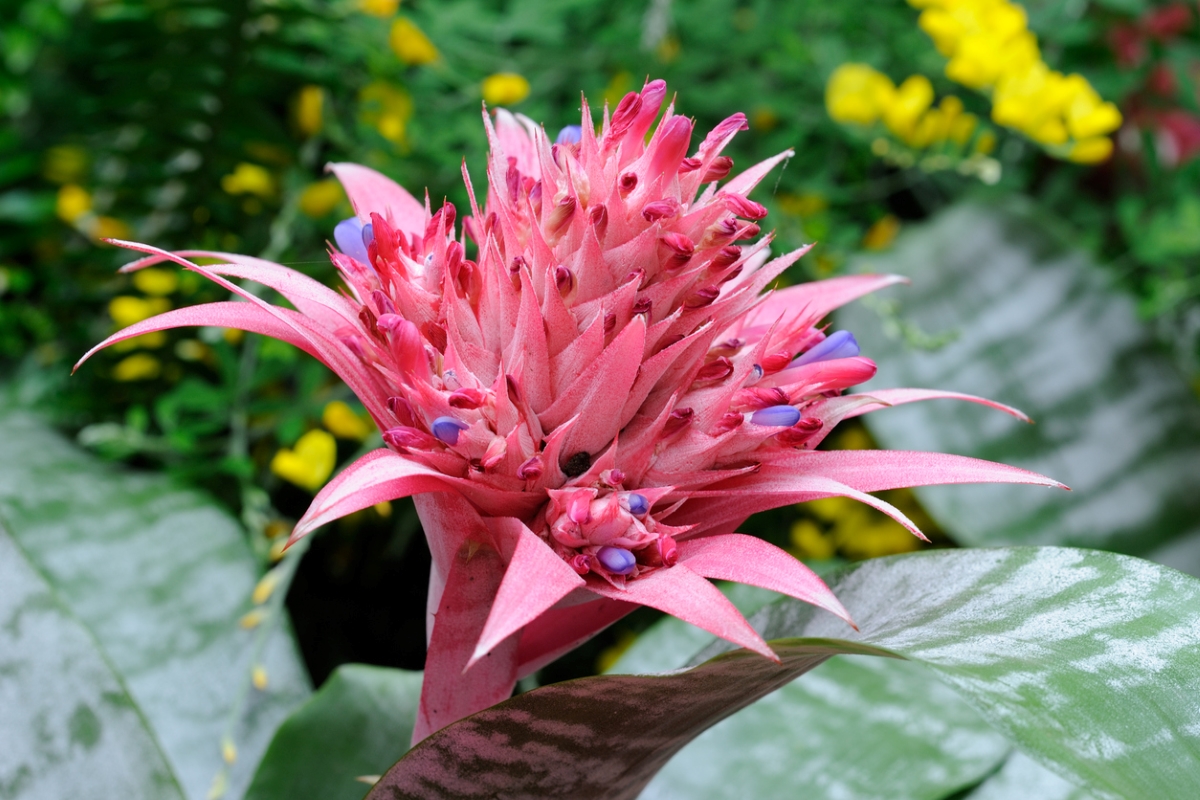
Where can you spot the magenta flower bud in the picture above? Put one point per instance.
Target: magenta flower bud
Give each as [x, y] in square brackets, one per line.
[726, 256]
[635, 503]
[676, 250]
[560, 217]
[677, 420]
[612, 477]
[599, 218]
[660, 209]
[690, 164]
[801, 432]
[466, 398]
[446, 429]
[627, 183]
[349, 237]
[579, 563]
[775, 362]
[702, 297]
[564, 279]
[728, 422]
[643, 306]
[668, 551]
[841, 344]
[717, 370]
[616, 560]
[531, 470]
[623, 116]
[718, 170]
[776, 416]
[406, 438]
[744, 207]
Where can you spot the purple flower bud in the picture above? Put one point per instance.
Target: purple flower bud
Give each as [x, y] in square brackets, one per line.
[446, 429]
[569, 135]
[838, 345]
[635, 503]
[349, 237]
[775, 416]
[617, 560]
[368, 235]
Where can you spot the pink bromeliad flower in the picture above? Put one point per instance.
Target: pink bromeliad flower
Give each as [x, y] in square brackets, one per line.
[586, 411]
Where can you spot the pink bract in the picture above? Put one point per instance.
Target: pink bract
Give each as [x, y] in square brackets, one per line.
[587, 410]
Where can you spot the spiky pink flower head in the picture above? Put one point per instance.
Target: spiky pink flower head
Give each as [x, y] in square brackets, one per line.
[588, 408]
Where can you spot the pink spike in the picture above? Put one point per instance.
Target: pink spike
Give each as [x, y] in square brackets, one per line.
[812, 301]
[682, 593]
[226, 314]
[563, 628]
[898, 397]
[472, 582]
[744, 183]
[369, 191]
[749, 560]
[377, 477]
[536, 579]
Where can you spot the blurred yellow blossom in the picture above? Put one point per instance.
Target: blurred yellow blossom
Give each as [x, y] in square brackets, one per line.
[386, 108]
[320, 198]
[764, 118]
[810, 542]
[249, 178]
[157, 282]
[340, 420]
[910, 100]
[881, 233]
[611, 654]
[383, 509]
[264, 588]
[258, 676]
[379, 8]
[72, 202]
[310, 463]
[310, 103]
[803, 205]
[858, 93]
[126, 310]
[505, 89]
[65, 164]
[109, 228]
[410, 44]
[1091, 151]
[137, 367]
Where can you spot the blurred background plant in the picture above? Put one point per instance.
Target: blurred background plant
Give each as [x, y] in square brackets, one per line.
[207, 123]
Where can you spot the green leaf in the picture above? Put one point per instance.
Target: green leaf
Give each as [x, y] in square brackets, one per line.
[160, 576]
[1036, 328]
[69, 727]
[358, 724]
[854, 728]
[1087, 661]
[1022, 778]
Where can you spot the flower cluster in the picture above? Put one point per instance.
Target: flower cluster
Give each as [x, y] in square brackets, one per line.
[991, 49]
[586, 409]
[858, 94]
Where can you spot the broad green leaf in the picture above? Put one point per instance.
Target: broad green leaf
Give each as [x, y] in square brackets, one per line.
[1022, 778]
[358, 724]
[160, 576]
[1087, 661]
[1036, 327]
[68, 727]
[853, 728]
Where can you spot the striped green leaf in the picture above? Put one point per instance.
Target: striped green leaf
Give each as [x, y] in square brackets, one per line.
[159, 576]
[1033, 324]
[1087, 661]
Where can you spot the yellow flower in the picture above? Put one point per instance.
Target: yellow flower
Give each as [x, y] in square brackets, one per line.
[320, 198]
[386, 108]
[157, 282]
[127, 309]
[882, 233]
[986, 143]
[383, 509]
[1089, 116]
[410, 44]
[310, 102]
[258, 676]
[810, 542]
[264, 588]
[109, 228]
[249, 179]
[310, 463]
[379, 8]
[505, 89]
[1091, 151]
[72, 202]
[65, 164]
[137, 367]
[857, 93]
[340, 420]
[910, 101]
